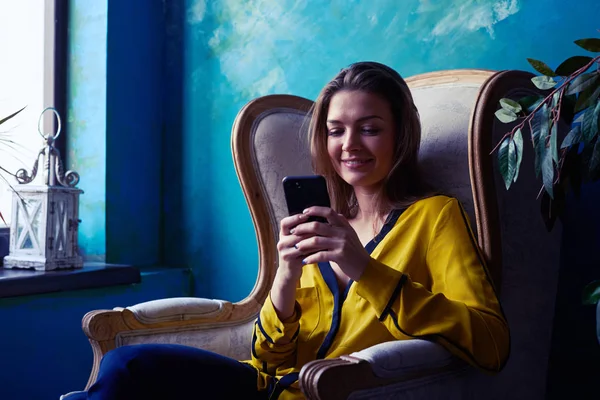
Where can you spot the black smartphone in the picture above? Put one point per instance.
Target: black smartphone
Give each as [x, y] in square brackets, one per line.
[302, 192]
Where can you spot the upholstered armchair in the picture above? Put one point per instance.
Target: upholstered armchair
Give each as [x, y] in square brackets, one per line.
[459, 130]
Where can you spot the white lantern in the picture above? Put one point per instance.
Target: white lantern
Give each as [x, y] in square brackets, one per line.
[45, 218]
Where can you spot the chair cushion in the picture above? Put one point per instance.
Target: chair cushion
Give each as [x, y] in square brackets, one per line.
[176, 309]
[396, 358]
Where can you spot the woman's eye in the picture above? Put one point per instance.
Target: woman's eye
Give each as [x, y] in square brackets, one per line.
[335, 132]
[370, 131]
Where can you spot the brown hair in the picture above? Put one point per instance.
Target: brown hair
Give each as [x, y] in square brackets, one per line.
[403, 184]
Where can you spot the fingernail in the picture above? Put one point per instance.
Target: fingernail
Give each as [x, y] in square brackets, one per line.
[292, 231]
[296, 247]
[305, 211]
[304, 262]
[300, 216]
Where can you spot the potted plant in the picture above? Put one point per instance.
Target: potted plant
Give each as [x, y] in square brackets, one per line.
[2, 139]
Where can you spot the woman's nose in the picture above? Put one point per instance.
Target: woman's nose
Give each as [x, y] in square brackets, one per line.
[351, 141]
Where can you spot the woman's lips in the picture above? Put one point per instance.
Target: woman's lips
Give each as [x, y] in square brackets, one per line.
[356, 163]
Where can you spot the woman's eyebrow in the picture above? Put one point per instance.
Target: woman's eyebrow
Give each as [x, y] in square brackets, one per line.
[335, 121]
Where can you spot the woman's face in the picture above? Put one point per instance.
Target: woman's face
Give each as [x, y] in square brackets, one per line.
[360, 138]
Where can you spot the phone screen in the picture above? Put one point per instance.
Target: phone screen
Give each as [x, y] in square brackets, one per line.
[302, 192]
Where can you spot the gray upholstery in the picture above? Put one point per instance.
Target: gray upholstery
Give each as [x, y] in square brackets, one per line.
[281, 149]
[529, 281]
[402, 357]
[445, 115]
[231, 340]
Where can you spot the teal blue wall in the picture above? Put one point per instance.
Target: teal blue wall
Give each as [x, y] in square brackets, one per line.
[154, 89]
[86, 118]
[235, 51]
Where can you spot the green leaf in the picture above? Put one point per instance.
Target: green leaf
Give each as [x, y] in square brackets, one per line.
[541, 67]
[505, 116]
[518, 139]
[595, 160]
[567, 105]
[592, 44]
[581, 83]
[507, 160]
[591, 293]
[553, 149]
[552, 208]
[573, 137]
[586, 157]
[572, 64]
[548, 172]
[555, 98]
[529, 103]
[587, 97]
[589, 124]
[539, 132]
[3, 120]
[543, 82]
[510, 105]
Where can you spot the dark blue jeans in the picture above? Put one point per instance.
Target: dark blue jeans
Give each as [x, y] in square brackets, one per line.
[171, 372]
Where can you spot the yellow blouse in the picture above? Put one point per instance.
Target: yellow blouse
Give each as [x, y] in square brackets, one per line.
[426, 279]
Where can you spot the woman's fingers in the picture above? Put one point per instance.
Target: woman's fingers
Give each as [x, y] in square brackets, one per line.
[332, 217]
[313, 229]
[288, 223]
[315, 244]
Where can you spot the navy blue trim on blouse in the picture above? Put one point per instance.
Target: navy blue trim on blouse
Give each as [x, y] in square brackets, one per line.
[393, 298]
[254, 345]
[331, 281]
[285, 382]
[263, 331]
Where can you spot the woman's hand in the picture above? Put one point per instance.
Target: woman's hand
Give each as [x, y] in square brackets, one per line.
[283, 291]
[336, 241]
[290, 257]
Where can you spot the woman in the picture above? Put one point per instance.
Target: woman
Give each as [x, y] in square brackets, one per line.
[391, 264]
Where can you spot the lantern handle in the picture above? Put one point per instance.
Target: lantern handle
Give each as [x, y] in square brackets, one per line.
[50, 135]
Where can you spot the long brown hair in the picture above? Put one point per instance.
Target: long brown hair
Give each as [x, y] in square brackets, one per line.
[403, 184]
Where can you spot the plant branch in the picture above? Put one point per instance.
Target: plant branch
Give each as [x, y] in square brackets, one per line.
[540, 192]
[546, 99]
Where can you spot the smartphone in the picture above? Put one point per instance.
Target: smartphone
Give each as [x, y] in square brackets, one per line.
[302, 192]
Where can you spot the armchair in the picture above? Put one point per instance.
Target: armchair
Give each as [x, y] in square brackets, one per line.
[459, 130]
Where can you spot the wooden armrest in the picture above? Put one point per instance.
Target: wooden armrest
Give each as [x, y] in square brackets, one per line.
[103, 326]
[321, 379]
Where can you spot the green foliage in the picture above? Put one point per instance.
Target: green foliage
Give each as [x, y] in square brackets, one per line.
[541, 67]
[3, 120]
[591, 293]
[571, 65]
[592, 45]
[544, 82]
[574, 100]
[573, 97]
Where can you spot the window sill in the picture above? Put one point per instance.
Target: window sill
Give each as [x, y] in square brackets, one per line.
[18, 282]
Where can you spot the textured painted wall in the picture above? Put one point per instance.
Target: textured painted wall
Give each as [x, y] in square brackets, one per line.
[86, 118]
[234, 51]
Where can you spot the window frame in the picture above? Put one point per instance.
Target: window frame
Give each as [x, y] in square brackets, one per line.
[15, 282]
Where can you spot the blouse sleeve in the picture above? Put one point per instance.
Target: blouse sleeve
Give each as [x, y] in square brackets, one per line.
[274, 341]
[460, 311]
